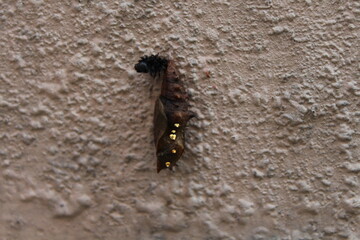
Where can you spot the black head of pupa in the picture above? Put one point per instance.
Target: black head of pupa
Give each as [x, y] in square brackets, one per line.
[142, 67]
[151, 64]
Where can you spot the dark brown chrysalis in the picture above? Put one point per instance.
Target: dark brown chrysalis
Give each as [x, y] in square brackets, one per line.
[171, 110]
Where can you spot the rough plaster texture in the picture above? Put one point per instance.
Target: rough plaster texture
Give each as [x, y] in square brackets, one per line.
[273, 153]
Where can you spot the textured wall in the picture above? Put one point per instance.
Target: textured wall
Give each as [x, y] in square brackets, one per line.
[273, 153]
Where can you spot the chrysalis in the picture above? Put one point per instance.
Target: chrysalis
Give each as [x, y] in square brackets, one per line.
[171, 110]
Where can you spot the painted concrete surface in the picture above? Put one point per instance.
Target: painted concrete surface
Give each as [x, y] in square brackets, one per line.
[272, 154]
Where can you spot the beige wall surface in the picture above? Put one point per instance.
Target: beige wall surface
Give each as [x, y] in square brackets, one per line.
[272, 154]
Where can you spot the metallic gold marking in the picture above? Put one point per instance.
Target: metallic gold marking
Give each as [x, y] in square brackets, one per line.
[173, 151]
[172, 136]
[173, 131]
[167, 164]
[177, 125]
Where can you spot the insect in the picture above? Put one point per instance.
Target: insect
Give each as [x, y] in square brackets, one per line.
[171, 110]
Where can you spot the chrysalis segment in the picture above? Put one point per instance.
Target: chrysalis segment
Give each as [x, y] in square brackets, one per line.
[171, 110]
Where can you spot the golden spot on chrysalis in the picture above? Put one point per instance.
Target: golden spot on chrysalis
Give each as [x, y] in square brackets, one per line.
[177, 125]
[173, 151]
[173, 131]
[167, 164]
[172, 136]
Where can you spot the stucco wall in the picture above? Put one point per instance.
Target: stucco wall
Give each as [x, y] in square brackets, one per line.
[272, 154]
